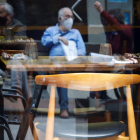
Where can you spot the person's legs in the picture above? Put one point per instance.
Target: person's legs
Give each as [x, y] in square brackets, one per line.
[19, 78]
[63, 98]
[20, 82]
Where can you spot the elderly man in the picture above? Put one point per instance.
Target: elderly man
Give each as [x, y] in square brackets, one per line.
[51, 40]
[19, 79]
[7, 20]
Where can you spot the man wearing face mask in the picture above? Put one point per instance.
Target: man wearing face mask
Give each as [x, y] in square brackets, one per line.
[50, 40]
[7, 20]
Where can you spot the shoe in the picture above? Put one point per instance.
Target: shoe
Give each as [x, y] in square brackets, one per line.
[64, 114]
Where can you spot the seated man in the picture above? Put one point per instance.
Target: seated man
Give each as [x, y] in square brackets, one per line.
[50, 40]
[7, 20]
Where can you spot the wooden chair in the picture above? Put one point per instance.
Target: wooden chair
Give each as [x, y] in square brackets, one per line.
[91, 82]
[90, 47]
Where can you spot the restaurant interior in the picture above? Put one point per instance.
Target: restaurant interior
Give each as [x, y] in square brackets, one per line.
[101, 82]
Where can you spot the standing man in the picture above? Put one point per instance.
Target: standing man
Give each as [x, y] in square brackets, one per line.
[50, 40]
[120, 36]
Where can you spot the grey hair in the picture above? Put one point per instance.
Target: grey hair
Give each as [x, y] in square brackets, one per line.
[118, 14]
[8, 8]
[61, 11]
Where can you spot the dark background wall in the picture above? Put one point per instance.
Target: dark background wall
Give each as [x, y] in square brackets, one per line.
[45, 13]
[42, 13]
[136, 25]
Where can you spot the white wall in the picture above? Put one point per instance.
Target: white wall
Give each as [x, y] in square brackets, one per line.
[95, 29]
[128, 6]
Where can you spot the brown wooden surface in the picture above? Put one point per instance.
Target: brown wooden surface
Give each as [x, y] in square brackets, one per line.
[12, 43]
[88, 81]
[44, 63]
[11, 51]
[74, 67]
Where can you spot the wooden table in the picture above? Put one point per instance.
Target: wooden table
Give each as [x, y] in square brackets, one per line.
[74, 67]
[44, 63]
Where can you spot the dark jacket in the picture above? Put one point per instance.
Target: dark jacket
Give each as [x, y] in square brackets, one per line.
[18, 27]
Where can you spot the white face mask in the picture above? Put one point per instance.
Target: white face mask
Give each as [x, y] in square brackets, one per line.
[68, 23]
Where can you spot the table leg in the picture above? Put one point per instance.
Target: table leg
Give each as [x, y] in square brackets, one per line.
[1, 113]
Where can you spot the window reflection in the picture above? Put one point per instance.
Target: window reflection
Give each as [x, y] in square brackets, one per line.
[46, 38]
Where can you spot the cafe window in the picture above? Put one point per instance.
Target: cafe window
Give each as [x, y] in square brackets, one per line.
[69, 69]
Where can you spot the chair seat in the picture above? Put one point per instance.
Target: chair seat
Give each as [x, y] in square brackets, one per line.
[84, 130]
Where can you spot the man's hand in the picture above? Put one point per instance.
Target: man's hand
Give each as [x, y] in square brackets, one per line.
[98, 6]
[64, 40]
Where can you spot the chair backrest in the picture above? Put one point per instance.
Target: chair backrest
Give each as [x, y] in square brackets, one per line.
[90, 47]
[98, 48]
[88, 81]
[42, 51]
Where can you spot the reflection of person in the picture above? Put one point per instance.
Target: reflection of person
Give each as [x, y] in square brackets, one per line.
[7, 20]
[19, 79]
[121, 34]
[50, 40]
[119, 37]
